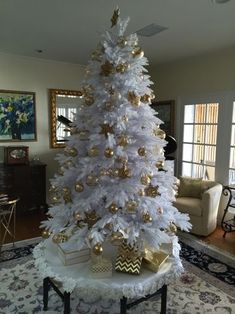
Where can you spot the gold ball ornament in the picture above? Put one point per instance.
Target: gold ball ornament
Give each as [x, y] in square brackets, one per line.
[108, 152]
[131, 206]
[159, 164]
[113, 208]
[137, 52]
[147, 218]
[79, 187]
[142, 151]
[46, 234]
[89, 100]
[145, 98]
[159, 133]
[92, 180]
[61, 171]
[72, 152]
[122, 41]
[145, 179]
[97, 249]
[122, 67]
[93, 152]
[133, 98]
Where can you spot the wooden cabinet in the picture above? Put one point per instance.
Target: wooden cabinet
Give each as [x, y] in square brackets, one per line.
[28, 182]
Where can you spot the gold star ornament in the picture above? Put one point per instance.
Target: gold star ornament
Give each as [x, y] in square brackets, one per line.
[106, 129]
[115, 17]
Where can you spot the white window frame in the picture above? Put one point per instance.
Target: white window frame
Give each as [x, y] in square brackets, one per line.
[225, 100]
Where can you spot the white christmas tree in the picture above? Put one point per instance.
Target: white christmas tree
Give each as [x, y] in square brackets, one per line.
[112, 183]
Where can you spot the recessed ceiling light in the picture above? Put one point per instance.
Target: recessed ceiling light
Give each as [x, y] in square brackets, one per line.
[151, 30]
[39, 50]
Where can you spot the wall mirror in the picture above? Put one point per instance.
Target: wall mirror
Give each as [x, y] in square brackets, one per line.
[64, 105]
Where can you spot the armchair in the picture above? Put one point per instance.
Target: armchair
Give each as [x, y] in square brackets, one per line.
[202, 209]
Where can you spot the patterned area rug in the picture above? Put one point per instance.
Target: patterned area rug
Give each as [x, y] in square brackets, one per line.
[207, 286]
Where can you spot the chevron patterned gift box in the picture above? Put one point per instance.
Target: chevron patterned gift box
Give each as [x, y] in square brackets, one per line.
[128, 260]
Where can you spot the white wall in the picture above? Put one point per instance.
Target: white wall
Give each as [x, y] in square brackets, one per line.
[205, 77]
[38, 75]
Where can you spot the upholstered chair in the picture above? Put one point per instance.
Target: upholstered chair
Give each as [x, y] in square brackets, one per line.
[200, 200]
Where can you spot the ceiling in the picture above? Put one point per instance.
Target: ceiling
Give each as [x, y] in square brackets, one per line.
[68, 30]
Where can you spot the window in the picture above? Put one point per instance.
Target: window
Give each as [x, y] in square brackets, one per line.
[232, 151]
[199, 140]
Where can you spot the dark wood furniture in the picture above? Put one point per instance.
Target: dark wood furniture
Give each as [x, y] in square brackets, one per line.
[228, 225]
[27, 182]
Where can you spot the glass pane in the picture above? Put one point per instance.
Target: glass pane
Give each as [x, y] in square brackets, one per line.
[188, 113]
[198, 153]
[234, 112]
[232, 158]
[199, 133]
[188, 133]
[210, 152]
[231, 176]
[233, 135]
[187, 152]
[210, 173]
[212, 113]
[186, 169]
[211, 134]
[200, 113]
[197, 171]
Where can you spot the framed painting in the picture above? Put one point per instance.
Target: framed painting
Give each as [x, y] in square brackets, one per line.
[17, 116]
[166, 112]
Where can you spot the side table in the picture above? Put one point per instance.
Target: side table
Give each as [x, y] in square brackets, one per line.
[229, 224]
[129, 290]
[124, 305]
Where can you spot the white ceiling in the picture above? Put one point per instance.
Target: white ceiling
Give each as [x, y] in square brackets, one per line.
[68, 30]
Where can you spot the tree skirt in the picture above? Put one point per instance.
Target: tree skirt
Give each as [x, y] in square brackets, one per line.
[201, 288]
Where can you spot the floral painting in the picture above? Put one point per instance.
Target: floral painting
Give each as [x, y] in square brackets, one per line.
[17, 116]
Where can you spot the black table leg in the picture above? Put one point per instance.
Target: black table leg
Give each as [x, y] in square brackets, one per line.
[163, 299]
[46, 286]
[66, 303]
[123, 302]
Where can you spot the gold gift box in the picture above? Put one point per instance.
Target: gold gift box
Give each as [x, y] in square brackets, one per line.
[154, 260]
[128, 260]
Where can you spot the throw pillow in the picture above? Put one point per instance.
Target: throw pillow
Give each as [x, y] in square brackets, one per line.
[190, 187]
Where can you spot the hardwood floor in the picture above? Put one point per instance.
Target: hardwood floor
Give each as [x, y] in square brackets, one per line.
[27, 227]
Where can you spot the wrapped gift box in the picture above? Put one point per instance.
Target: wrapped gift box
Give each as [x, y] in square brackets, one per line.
[101, 268]
[154, 260]
[70, 255]
[128, 260]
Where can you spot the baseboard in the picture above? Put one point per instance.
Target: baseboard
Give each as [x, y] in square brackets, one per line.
[21, 243]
